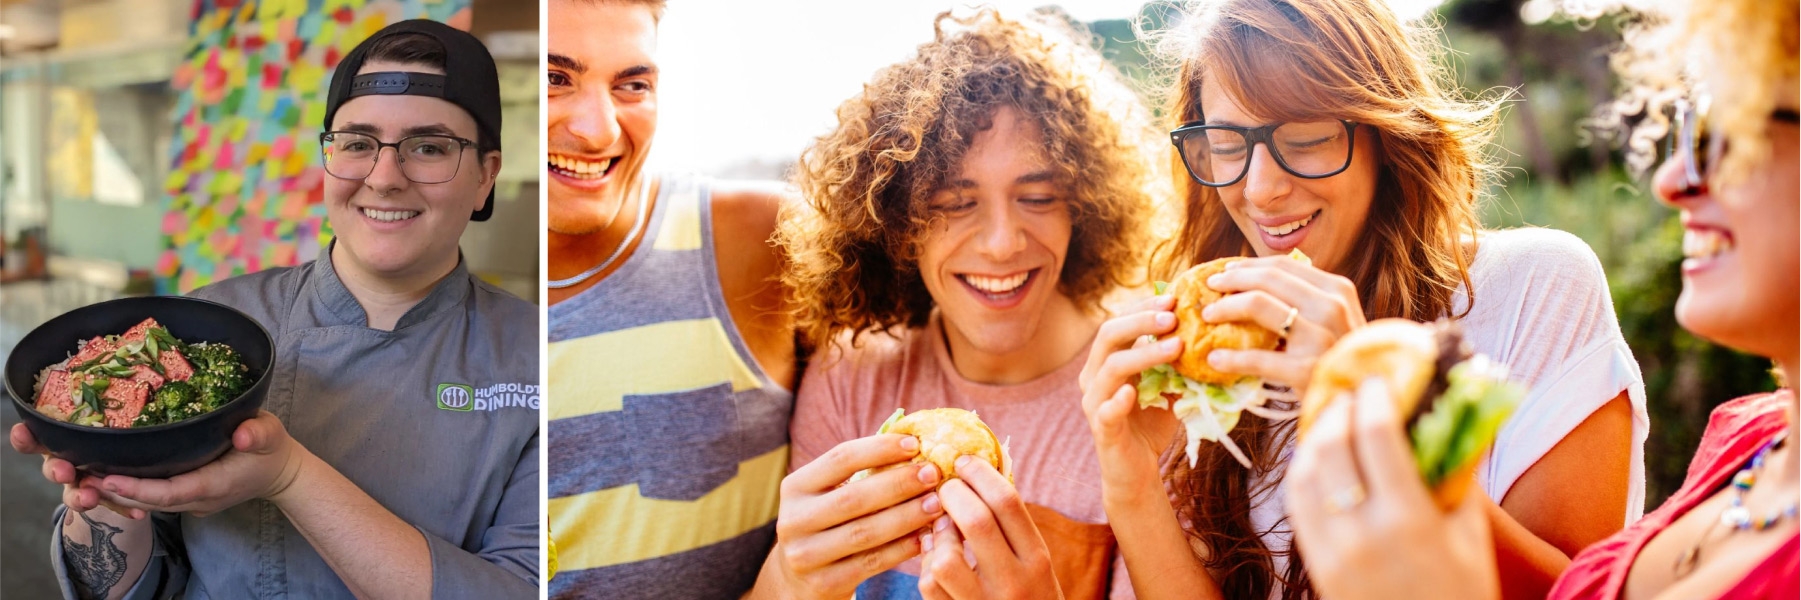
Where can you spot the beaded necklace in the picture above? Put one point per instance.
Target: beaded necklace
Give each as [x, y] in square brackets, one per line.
[1735, 517]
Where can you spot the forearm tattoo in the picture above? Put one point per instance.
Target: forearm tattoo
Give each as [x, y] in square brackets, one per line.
[97, 566]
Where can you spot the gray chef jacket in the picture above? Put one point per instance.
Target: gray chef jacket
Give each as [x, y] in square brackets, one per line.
[437, 420]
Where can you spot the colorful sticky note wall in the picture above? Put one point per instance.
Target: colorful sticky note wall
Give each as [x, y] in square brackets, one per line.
[245, 192]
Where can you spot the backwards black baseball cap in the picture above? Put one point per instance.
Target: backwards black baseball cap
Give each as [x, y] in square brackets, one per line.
[470, 81]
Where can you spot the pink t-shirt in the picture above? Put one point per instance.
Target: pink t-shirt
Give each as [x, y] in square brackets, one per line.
[847, 394]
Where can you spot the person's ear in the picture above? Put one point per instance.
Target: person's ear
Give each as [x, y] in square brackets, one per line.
[490, 165]
[489, 172]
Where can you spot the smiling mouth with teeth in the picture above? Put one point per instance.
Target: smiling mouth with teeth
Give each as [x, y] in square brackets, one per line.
[1705, 243]
[389, 216]
[575, 168]
[998, 288]
[1289, 227]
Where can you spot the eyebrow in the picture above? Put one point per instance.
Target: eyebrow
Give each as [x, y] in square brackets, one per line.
[564, 62]
[1033, 177]
[432, 129]
[372, 130]
[635, 71]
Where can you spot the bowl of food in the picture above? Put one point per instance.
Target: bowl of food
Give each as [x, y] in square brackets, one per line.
[146, 387]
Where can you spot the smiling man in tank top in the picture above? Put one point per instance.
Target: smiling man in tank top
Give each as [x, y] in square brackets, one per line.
[672, 358]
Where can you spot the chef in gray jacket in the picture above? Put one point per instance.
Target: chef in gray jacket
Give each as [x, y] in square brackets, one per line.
[397, 456]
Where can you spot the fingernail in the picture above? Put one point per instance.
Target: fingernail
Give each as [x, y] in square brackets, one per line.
[1165, 319]
[1209, 313]
[928, 474]
[1214, 281]
[112, 487]
[963, 461]
[925, 541]
[969, 556]
[1217, 358]
[931, 504]
[909, 443]
[941, 524]
[1171, 344]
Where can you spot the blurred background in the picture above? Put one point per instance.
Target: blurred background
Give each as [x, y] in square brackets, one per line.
[746, 86]
[156, 146]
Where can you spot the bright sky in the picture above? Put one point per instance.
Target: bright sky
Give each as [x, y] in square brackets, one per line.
[745, 81]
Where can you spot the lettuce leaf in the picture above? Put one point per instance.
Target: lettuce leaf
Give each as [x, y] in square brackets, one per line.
[1208, 412]
[1464, 421]
[898, 413]
[1156, 381]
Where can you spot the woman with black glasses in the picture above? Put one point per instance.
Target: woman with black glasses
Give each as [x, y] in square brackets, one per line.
[1731, 531]
[1327, 126]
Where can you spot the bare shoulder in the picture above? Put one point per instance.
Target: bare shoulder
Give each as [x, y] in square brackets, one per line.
[745, 214]
[748, 207]
[750, 267]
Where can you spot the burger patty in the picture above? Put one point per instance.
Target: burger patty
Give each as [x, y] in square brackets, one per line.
[1452, 350]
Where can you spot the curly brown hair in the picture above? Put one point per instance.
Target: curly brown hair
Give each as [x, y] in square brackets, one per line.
[1306, 59]
[853, 247]
[1738, 51]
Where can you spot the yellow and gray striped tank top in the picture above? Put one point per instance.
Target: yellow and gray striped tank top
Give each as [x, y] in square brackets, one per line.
[667, 441]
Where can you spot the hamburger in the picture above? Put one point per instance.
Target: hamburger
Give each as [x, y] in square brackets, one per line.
[1450, 401]
[945, 434]
[1206, 400]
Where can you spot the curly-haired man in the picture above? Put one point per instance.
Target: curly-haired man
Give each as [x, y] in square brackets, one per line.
[966, 217]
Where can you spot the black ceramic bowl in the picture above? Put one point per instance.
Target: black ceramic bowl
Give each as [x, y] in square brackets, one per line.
[163, 450]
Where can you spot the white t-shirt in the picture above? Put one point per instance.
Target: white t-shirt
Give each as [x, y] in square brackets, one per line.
[1543, 309]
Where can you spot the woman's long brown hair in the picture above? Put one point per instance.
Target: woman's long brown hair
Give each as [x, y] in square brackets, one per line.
[1294, 60]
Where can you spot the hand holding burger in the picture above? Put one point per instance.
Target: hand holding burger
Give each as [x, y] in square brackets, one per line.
[816, 555]
[1450, 401]
[986, 545]
[945, 434]
[1394, 421]
[1207, 400]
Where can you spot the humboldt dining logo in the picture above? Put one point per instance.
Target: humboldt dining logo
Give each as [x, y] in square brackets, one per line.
[467, 398]
[454, 396]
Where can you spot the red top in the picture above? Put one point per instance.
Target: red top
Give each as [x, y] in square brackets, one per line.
[1735, 432]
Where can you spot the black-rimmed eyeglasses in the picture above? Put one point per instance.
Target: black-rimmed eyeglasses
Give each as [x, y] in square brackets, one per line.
[427, 158]
[1220, 155]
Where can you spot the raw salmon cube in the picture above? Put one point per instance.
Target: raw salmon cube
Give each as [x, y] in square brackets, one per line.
[138, 332]
[146, 375]
[124, 399]
[95, 348]
[175, 366]
[58, 395]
